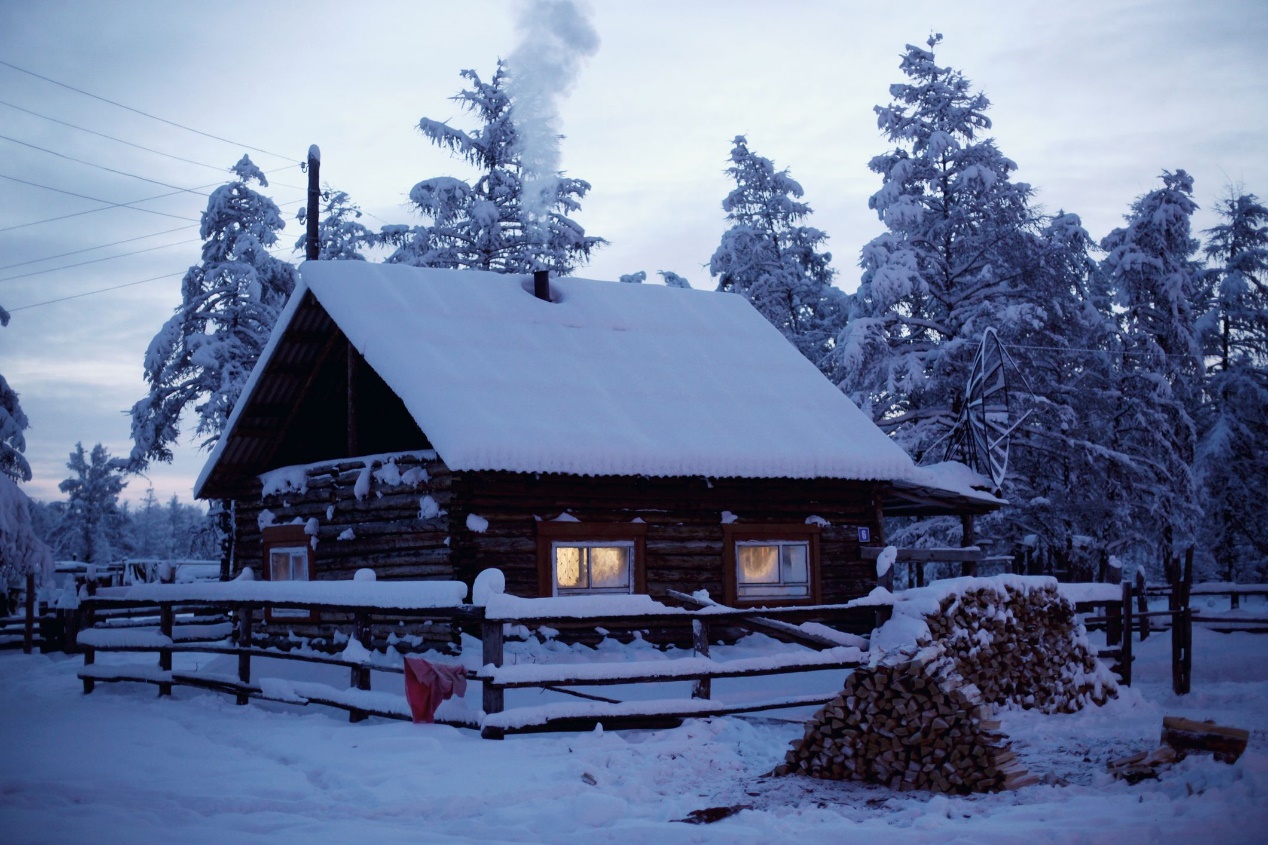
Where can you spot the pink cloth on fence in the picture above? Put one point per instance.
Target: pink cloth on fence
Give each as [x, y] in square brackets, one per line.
[428, 684]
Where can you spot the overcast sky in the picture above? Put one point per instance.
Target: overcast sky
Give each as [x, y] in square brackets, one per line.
[1092, 100]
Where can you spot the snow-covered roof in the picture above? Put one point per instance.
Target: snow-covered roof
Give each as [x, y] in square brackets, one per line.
[605, 379]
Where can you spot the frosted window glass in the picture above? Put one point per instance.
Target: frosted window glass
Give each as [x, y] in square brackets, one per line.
[758, 564]
[794, 564]
[609, 567]
[568, 567]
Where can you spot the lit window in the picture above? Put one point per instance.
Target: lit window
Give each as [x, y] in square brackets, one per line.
[592, 568]
[772, 569]
[584, 559]
[771, 564]
[288, 556]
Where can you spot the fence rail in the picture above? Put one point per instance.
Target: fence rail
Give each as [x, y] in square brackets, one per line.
[166, 628]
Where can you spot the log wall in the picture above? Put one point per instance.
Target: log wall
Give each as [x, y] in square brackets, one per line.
[389, 532]
[684, 519]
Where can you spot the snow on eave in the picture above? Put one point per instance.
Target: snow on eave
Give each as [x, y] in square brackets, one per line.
[605, 380]
[954, 478]
[279, 328]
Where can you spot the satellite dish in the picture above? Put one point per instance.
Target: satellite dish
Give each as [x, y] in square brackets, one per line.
[981, 434]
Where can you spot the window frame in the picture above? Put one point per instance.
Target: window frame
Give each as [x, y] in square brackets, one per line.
[551, 534]
[771, 533]
[291, 536]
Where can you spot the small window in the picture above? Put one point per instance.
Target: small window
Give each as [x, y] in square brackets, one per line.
[583, 559]
[771, 564]
[287, 557]
[582, 568]
[772, 570]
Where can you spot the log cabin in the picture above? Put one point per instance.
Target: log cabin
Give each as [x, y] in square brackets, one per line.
[581, 436]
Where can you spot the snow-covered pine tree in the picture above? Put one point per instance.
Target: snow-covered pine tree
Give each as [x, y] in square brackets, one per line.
[673, 280]
[90, 526]
[22, 551]
[1159, 289]
[772, 259]
[340, 234]
[483, 225]
[1232, 460]
[1064, 508]
[201, 357]
[959, 247]
[12, 423]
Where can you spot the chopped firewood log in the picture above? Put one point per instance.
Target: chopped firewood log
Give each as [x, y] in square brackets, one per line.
[1187, 736]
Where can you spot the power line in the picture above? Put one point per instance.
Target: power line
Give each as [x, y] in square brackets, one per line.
[109, 204]
[103, 167]
[145, 114]
[91, 248]
[92, 292]
[111, 137]
[98, 260]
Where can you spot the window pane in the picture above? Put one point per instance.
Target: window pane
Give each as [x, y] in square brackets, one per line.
[609, 567]
[774, 591]
[793, 563]
[568, 574]
[287, 563]
[758, 564]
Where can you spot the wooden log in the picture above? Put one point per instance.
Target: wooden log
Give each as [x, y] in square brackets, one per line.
[28, 630]
[244, 658]
[492, 642]
[1142, 604]
[1125, 661]
[166, 617]
[702, 688]
[1186, 736]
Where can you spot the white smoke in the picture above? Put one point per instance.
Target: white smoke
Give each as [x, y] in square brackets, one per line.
[556, 36]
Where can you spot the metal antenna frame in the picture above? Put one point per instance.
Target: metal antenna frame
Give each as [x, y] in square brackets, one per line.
[982, 431]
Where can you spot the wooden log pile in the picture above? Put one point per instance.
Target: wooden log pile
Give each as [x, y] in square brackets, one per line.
[922, 719]
[910, 722]
[1021, 647]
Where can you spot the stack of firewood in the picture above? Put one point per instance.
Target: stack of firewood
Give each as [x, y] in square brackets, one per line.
[922, 719]
[1022, 648]
[910, 722]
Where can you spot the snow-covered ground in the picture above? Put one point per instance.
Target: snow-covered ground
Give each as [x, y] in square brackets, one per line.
[122, 766]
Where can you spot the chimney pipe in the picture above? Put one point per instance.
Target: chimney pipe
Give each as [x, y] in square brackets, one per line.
[541, 285]
[311, 245]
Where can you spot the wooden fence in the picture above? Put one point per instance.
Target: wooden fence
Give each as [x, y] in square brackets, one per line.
[180, 626]
[169, 628]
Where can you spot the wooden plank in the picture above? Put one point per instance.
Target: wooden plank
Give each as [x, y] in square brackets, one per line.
[970, 555]
[661, 672]
[1187, 735]
[750, 620]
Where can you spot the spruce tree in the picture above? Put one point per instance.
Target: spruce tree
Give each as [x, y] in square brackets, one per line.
[956, 258]
[13, 422]
[1232, 461]
[91, 524]
[483, 225]
[771, 258]
[202, 356]
[1159, 290]
[340, 234]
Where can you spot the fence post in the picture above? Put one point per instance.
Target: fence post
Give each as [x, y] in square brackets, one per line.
[244, 642]
[1114, 623]
[703, 687]
[1182, 629]
[491, 637]
[360, 674]
[1125, 655]
[1142, 604]
[167, 614]
[28, 633]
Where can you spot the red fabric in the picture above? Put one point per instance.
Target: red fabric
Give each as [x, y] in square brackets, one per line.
[428, 684]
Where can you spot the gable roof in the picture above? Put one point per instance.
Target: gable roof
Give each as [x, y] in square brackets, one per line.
[605, 379]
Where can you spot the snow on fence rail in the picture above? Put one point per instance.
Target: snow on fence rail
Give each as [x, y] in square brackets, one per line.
[244, 601]
[363, 601]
